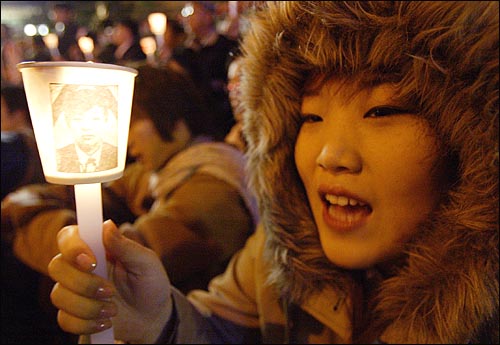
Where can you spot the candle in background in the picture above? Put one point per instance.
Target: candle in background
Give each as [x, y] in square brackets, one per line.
[52, 43]
[80, 110]
[86, 45]
[148, 46]
[158, 24]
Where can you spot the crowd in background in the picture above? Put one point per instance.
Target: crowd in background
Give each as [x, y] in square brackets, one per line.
[116, 39]
[201, 45]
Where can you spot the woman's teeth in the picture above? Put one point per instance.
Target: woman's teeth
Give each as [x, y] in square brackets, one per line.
[342, 200]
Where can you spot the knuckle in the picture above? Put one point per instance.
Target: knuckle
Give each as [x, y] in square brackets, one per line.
[61, 233]
[55, 295]
[53, 265]
[64, 323]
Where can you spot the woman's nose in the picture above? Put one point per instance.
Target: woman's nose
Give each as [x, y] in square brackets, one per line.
[341, 151]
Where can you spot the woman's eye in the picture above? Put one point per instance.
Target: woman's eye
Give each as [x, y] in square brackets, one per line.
[310, 118]
[384, 111]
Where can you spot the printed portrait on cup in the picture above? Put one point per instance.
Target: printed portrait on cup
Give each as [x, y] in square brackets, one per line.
[85, 127]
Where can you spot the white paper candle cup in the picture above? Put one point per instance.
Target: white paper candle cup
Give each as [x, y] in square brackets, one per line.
[83, 105]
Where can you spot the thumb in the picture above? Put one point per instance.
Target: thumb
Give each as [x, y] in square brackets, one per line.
[132, 256]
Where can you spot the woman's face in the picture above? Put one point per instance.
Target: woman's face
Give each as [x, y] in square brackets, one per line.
[367, 167]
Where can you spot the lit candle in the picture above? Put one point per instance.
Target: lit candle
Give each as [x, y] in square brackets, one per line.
[148, 46]
[52, 43]
[90, 104]
[86, 45]
[158, 24]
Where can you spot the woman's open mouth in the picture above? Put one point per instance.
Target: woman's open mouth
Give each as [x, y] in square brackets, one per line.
[343, 213]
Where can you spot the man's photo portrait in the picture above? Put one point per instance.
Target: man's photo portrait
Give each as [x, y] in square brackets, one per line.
[89, 113]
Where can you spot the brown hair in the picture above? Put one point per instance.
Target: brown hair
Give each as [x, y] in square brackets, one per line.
[165, 96]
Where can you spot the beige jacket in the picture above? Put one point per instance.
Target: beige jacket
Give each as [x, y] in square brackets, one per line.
[243, 295]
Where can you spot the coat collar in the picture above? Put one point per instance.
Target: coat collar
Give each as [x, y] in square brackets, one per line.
[333, 309]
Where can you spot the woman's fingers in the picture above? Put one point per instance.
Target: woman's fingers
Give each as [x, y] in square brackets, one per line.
[79, 282]
[83, 298]
[80, 306]
[74, 249]
[75, 325]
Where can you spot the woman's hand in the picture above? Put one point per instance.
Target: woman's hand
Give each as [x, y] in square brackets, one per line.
[136, 300]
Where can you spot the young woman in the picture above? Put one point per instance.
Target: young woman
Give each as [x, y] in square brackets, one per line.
[372, 132]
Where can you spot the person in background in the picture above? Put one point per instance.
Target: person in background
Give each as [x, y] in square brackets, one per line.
[66, 28]
[372, 131]
[234, 22]
[27, 314]
[184, 197]
[124, 48]
[235, 136]
[21, 163]
[173, 46]
[205, 57]
[103, 38]
[39, 51]
[11, 55]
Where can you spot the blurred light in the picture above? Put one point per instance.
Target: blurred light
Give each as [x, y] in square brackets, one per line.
[86, 44]
[108, 31]
[101, 11]
[43, 29]
[51, 41]
[157, 23]
[18, 13]
[148, 45]
[30, 30]
[60, 27]
[187, 10]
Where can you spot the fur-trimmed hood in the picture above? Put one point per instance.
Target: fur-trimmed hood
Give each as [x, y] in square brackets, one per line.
[444, 57]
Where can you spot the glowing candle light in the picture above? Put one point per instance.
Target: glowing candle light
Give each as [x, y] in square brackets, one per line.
[52, 43]
[158, 24]
[148, 46]
[81, 114]
[86, 45]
